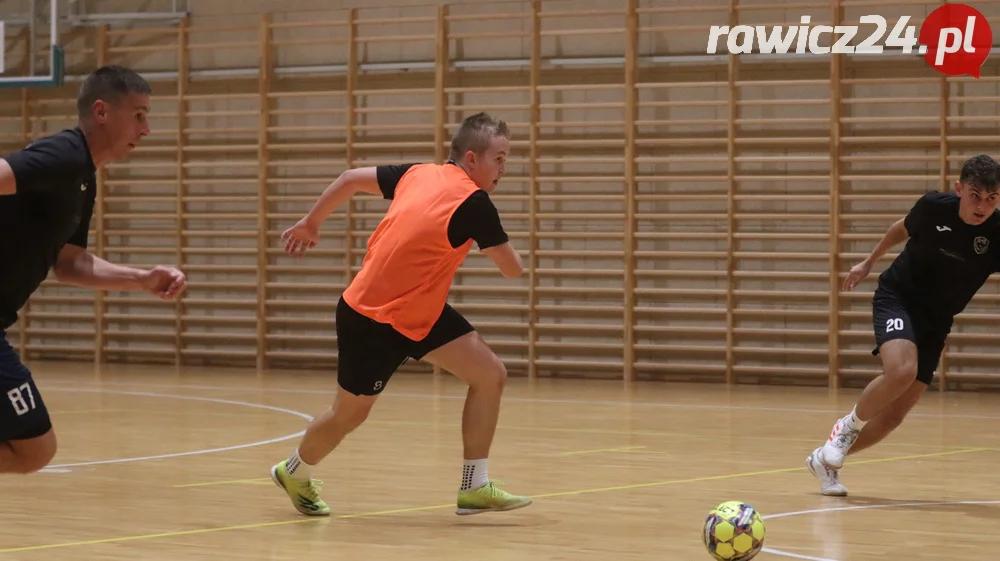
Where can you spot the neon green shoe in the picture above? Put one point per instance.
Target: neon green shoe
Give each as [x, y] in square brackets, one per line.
[487, 498]
[304, 494]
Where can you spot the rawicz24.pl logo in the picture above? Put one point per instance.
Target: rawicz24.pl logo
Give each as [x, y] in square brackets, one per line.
[955, 39]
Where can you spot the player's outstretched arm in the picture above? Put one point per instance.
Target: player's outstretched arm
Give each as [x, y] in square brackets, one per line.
[76, 266]
[507, 259]
[896, 234]
[305, 233]
[338, 192]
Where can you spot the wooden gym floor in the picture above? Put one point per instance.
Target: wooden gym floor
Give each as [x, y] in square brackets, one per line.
[161, 463]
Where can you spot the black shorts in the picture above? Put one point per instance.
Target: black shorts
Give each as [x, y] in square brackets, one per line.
[894, 319]
[22, 412]
[369, 352]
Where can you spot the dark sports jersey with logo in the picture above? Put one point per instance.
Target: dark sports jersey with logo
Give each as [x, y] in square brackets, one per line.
[56, 189]
[945, 261]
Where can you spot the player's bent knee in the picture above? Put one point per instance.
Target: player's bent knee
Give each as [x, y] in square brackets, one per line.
[34, 454]
[353, 416]
[902, 372]
[497, 370]
[353, 409]
[494, 375]
[899, 361]
[501, 374]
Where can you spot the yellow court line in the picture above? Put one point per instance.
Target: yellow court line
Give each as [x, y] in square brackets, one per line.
[155, 536]
[683, 435]
[451, 505]
[393, 511]
[632, 450]
[158, 412]
[73, 411]
[257, 480]
[599, 450]
[745, 474]
[918, 456]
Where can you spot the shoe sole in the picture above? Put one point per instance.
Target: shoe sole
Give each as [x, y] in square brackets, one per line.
[470, 511]
[825, 493]
[274, 478]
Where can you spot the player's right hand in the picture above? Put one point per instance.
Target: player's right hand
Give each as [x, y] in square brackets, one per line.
[300, 237]
[857, 274]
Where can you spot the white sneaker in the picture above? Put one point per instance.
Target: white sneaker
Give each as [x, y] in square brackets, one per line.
[834, 452]
[829, 478]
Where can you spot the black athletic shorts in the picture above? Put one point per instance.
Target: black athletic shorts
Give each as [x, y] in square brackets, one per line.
[22, 411]
[894, 319]
[369, 352]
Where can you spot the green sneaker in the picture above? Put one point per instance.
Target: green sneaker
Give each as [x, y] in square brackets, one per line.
[304, 494]
[488, 497]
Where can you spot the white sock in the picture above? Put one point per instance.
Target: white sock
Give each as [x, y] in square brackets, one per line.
[474, 474]
[297, 469]
[854, 421]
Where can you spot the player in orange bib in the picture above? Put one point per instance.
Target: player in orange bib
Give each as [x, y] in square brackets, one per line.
[396, 309]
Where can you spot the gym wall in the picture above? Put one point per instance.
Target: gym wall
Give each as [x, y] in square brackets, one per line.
[682, 216]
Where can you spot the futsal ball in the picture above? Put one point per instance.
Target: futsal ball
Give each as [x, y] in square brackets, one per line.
[734, 531]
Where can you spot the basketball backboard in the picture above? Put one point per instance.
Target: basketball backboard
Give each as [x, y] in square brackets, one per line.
[30, 51]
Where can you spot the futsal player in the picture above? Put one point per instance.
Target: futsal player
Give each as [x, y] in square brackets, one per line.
[952, 247]
[47, 193]
[396, 309]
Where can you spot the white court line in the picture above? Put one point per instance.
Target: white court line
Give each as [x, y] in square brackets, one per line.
[860, 507]
[537, 400]
[794, 555]
[180, 454]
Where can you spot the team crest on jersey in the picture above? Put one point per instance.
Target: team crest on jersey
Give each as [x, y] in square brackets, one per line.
[980, 244]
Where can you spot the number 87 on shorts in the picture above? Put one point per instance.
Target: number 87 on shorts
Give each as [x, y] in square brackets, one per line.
[22, 398]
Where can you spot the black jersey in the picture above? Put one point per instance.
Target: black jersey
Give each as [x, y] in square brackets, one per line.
[56, 187]
[945, 261]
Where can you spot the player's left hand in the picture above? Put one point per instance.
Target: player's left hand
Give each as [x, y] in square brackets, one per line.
[857, 274]
[304, 235]
[165, 282]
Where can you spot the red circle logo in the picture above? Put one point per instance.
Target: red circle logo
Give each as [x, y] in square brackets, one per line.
[957, 39]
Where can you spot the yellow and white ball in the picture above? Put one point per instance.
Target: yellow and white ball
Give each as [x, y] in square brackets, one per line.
[734, 531]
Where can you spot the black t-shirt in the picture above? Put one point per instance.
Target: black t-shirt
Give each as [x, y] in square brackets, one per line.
[945, 261]
[56, 187]
[477, 218]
